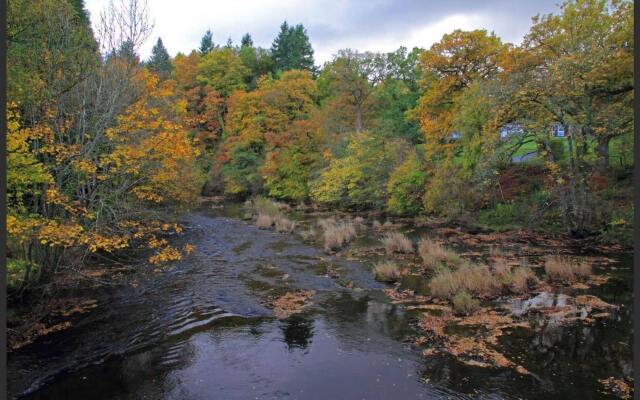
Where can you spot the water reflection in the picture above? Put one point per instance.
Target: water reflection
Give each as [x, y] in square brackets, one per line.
[297, 331]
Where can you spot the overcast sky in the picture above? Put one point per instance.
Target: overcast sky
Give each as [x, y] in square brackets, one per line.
[374, 25]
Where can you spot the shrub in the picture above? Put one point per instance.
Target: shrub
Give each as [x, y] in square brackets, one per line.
[433, 254]
[463, 303]
[397, 242]
[563, 269]
[387, 271]
[264, 221]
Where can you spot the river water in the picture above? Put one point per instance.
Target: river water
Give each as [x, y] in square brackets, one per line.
[201, 331]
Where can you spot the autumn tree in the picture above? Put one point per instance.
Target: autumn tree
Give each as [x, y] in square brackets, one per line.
[449, 68]
[95, 143]
[273, 124]
[354, 76]
[576, 71]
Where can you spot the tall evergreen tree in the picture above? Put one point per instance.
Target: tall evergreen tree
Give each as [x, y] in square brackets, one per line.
[246, 41]
[291, 49]
[160, 61]
[79, 6]
[206, 43]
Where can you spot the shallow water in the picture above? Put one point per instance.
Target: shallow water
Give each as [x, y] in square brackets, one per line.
[201, 331]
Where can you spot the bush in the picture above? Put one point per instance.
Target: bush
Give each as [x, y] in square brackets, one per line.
[503, 215]
[463, 303]
[397, 242]
[387, 271]
[433, 254]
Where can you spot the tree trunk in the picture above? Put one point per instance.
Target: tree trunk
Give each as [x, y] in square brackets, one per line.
[358, 118]
[602, 149]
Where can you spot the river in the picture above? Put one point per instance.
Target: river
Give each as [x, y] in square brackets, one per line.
[201, 331]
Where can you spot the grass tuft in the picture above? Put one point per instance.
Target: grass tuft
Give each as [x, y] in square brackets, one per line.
[387, 271]
[565, 270]
[434, 254]
[397, 242]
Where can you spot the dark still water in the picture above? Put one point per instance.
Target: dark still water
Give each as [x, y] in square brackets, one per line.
[201, 331]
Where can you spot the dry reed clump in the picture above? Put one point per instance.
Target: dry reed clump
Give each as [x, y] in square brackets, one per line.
[516, 280]
[464, 304]
[264, 221]
[521, 279]
[359, 220]
[269, 215]
[325, 223]
[309, 235]
[434, 253]
[337, 235]
[565, 270]
[387, 271]
[262, 205]
[283, 224]
[397, 242]
[476, 280]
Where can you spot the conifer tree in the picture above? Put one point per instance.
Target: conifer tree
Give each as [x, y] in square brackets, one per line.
[160, 61]
[206, 43]
[291, 49]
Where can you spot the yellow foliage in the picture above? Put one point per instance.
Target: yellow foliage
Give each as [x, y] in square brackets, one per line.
[166, 254]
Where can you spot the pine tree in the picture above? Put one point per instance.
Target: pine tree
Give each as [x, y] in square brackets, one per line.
[160, 61]
[291, 49]
[246, 41]
[206, 43]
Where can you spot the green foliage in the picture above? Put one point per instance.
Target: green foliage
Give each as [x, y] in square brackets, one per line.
[503, 214]
[463, 303]
[223, 71]
[16, 273]
[50, 51]
[240, 174]
[406, 186]
[358, 179]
